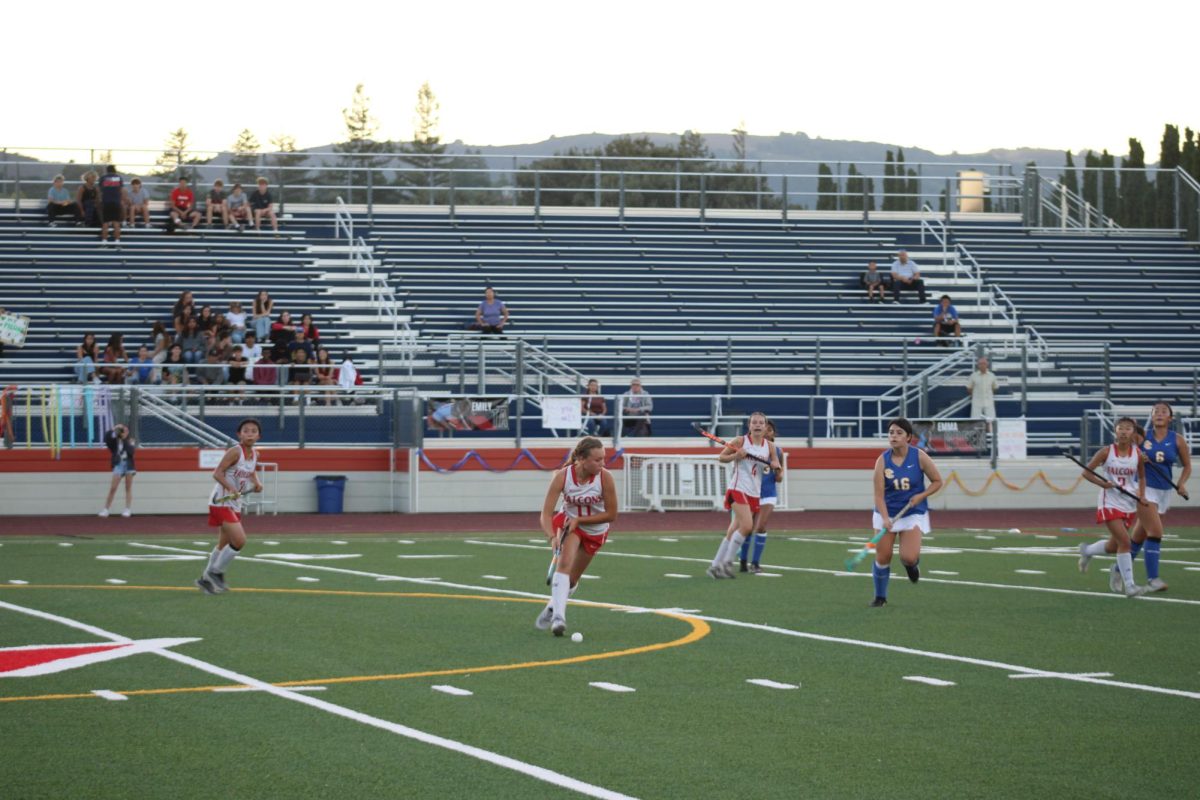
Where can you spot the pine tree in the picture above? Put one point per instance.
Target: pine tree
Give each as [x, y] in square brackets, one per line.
[826, 188]
[1168, 160]
[286, 165]
[1109, 201]
[889, 184]
[1090, 178]
[175, 153]
[1137, 197]
[739, 142]
[424, 176]
[912, 188]
[1070, 178]
[244, 159]
[355, 159]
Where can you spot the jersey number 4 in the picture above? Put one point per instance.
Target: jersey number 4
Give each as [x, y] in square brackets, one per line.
[901, 484]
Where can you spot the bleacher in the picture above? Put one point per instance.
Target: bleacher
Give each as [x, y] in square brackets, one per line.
[69, 284]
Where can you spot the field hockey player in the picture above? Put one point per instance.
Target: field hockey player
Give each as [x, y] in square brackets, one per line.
[1162, 447]
[747, 454]
[234, 476]
[900, 473]
[589, 505]
[766, 504]
[1122, 490]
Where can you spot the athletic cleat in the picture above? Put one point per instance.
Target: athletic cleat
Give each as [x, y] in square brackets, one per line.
[1084, 558]
[558, 626]
[1115, 583]
[103, 512]
[217, 579]
[729, 570]
[744, 568]
[1156, 585]
[542, 623]
[715, 571]
[1135, 591]
[127, 513]
[205, 585]
[878, 602]
[914, 572]
[756, 568]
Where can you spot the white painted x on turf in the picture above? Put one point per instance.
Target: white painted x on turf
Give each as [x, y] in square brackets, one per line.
[979, 662]
[540, 773]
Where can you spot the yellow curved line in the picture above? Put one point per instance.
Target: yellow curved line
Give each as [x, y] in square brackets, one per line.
[996, 476]
[700, 629]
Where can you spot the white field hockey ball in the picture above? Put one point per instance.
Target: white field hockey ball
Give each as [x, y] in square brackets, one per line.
[577, 637]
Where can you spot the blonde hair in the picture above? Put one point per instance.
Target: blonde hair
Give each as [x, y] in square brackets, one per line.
[586, 445]
[90, 174]
[60, 177]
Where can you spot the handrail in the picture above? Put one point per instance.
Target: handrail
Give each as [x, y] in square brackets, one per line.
[182, 421]
[1070, 206]
[382, 296]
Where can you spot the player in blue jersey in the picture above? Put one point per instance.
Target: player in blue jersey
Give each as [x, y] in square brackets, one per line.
[900, 474]
[766, 505]
[1162, 449]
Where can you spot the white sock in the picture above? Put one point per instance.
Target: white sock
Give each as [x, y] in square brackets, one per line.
[212, 559]
[1125, 564]
[1096, 548]
[719, 558]
[560, 587]
[223, 559]
[735, 544]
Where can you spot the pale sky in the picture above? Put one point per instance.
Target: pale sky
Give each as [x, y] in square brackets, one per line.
[948, 76]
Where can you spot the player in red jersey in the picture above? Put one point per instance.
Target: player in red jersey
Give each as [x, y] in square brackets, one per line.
[589, 504]
[234, 476]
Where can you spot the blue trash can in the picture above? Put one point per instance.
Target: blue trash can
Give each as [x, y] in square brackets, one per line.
[330, 491]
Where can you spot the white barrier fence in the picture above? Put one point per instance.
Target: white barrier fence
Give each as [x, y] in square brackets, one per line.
[656, 482]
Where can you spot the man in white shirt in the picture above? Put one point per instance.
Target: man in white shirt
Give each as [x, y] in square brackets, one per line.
[636, 406]
[906, 275]
[982, 388]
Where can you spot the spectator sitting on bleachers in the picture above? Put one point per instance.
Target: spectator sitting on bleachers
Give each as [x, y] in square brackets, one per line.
[207, 320]
[213, 370]
[142, 367]
[175, 367]
[138, 202]
[251, 349]
[636, 406]
[325, 373]
[594, 409]
[238, 367]
[237, 322]
[283, 330]
[874, 282]
[492, 315]
[162, 346]
[906, 275]
[216, 202]
[238, 205]
[945, 321]
[60, 204]
[260, 202]
[114, 353]
[263, 307]
[310, 331]
[182, 207]
[192, 342]
[88, 198]
[300, 374]
[301, 342]
[85, 358]
[185, 301]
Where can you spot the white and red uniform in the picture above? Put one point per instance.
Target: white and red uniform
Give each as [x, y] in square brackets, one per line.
[583, 500]
[1123, 471]
[241, 476]
[745, 484]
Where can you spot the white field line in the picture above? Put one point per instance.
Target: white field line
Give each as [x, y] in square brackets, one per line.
[930, 681]
[540, 773]
[452, 690]
[611, 687]
[1058, 552]
[764, 628]
[109, 695]
[770, 684]
[844, 574]
[1082, 674]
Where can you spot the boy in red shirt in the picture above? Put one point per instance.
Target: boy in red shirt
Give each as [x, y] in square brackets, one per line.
[183, 205]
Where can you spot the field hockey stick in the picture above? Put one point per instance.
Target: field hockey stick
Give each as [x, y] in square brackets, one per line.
[555, 555]
[227, 498]
[856, 559]
[1165, 474]
[719, 440]
[1089, 471]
